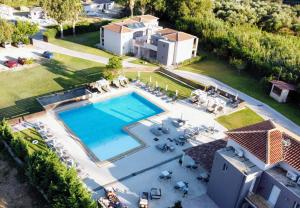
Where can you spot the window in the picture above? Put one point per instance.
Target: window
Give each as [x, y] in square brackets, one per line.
[276, 90]
[225, 167]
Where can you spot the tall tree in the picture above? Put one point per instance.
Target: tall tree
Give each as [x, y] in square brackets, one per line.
[57, 10]
[131, 7]
[75, 9]
[143, 4]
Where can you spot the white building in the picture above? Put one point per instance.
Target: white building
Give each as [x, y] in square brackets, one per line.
[37, 13]
[6, 12]
[98, 6]
[143, 37]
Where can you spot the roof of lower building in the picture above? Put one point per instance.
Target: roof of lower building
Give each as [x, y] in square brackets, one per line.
[117, 28]
[283, 85]
[269, 143]
[204, 153]
[178, 36]
[144, 18]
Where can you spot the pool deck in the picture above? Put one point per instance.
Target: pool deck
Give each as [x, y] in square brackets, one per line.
[128, 171]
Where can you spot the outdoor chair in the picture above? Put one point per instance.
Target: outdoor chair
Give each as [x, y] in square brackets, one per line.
[156, 131]
[162, 147]
[155, 193]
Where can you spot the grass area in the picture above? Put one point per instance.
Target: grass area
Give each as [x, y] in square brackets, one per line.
[223, 72]
[142, 62]
[83, 43]
[241, 118]
[183, 91]
[31, 135]
[19, 89]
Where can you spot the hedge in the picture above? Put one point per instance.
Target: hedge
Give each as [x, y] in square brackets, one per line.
[81, 28]
[61, 185]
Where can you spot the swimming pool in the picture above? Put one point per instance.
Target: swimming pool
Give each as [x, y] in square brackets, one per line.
[100, 125]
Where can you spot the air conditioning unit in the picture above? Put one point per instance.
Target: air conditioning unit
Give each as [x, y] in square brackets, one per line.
[291, 175]
[239, 152]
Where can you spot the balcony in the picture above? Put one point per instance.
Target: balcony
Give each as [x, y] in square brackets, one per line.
[257, 201]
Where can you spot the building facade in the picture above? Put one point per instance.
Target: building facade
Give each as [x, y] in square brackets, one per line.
[259, 168]
[142, 37]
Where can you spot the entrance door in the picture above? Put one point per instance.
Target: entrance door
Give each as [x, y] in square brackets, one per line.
[274, 195]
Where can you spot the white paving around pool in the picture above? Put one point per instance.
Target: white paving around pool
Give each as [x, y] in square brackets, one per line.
[109, 173]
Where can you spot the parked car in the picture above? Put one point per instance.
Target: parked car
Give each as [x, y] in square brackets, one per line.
[48, 55]
[11, 63]
[6, 45]
[19, 45]
[22, 61]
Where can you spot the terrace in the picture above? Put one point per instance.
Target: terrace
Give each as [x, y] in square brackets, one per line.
[147, 161]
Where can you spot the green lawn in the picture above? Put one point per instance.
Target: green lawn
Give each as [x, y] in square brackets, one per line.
[30, 135]
[223, 72]
[183, 91]
[244, 117]
[83, 43]
[19, 89]
[142, 62]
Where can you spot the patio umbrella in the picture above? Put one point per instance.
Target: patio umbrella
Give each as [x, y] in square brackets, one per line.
[150, 79]
[176, 93]
[166, 87]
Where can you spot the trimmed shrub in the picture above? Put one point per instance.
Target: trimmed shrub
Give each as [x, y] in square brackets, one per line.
[81, 28]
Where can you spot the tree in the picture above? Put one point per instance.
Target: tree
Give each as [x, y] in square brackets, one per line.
[114, 62]
[7, 30]
[75, 9]
[57, 10]
[131, 7]
[112, 68]
[23, 31]
[143, 4]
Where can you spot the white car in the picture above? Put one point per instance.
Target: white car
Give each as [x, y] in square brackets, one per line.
[6, 45]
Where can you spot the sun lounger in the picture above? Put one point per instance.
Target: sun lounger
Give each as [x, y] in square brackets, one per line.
[194, 99]
[219, 109]
[116, 83]
[212, 108]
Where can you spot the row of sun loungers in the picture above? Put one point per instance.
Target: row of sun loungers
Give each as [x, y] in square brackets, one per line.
[156, 90]
[52, 143]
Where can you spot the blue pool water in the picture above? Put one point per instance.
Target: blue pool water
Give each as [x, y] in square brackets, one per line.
[99, 125]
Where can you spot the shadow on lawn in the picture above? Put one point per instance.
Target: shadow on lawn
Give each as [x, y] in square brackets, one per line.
[66, 78]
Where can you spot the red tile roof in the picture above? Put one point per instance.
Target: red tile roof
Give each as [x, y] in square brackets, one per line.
[283, 85]
[145, 18]
[117, 28]
[265, 141]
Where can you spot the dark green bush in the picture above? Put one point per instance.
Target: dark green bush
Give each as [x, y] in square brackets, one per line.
[44, 169]
[81, 28]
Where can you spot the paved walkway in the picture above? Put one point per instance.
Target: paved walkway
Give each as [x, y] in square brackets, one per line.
[266, 111]
[58, 49]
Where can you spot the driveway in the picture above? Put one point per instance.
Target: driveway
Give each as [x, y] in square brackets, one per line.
[263, 109]
[41, 45]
